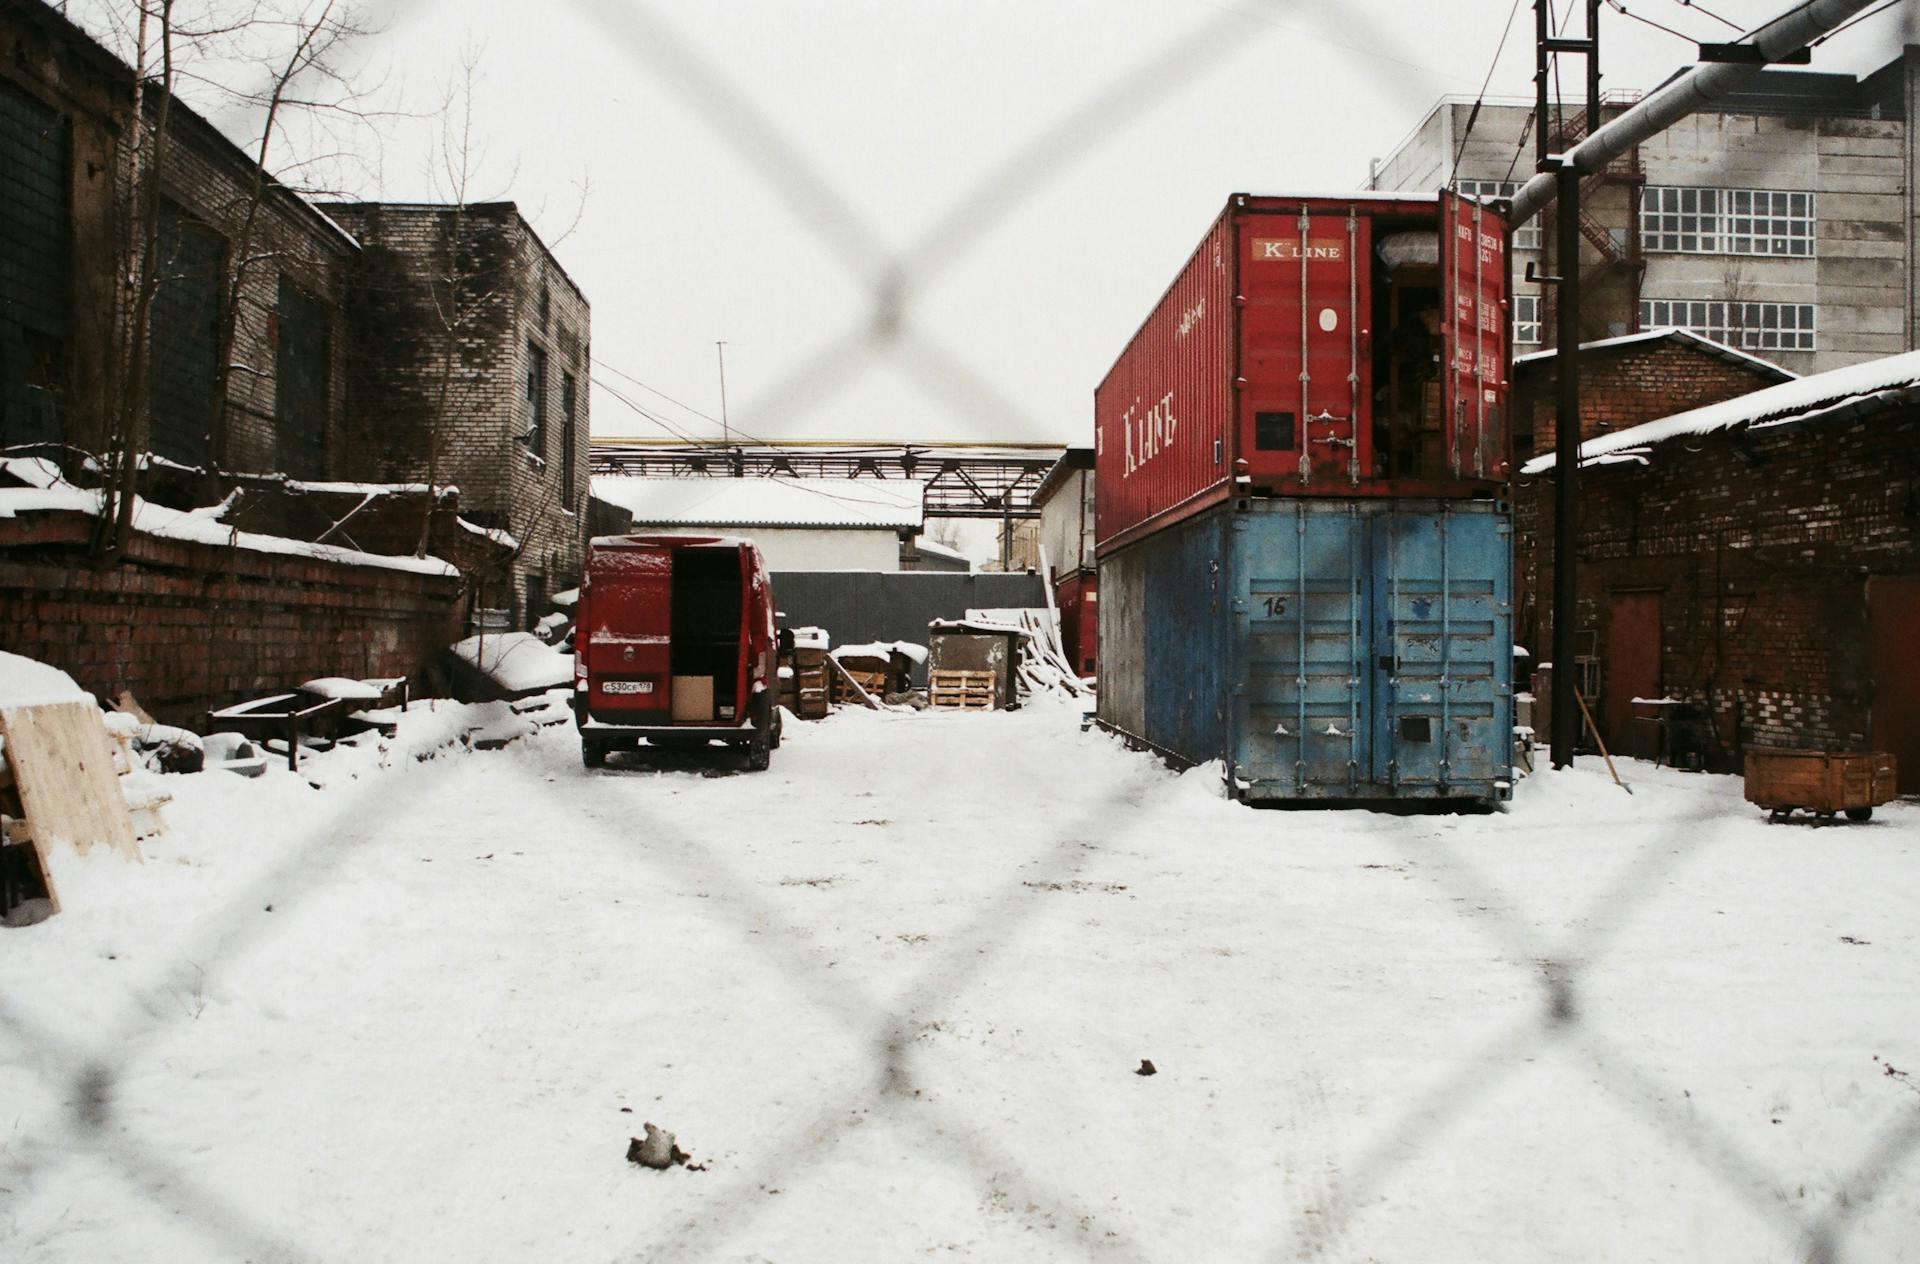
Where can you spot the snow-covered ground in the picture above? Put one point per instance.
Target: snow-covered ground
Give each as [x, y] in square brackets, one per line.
[893, 995]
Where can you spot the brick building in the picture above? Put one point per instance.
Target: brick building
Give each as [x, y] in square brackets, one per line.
[1753, 562]
[1633, 379]
[66, 124]
[1781, 220]
[469, 343]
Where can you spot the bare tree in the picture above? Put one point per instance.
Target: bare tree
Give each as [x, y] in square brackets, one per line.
[264, 61]
[317, 31]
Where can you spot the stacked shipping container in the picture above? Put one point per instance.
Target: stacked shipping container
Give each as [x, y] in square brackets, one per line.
[1304, 553]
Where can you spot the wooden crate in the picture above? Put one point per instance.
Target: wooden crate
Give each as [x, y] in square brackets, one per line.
[1820, 782]
[810, 692]
[874, 682]
[961, 690]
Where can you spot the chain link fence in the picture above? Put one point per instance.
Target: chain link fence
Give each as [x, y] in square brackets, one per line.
[86, 1077]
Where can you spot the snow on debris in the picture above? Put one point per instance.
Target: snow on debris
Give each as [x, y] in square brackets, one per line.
[882, 649]
[341, 687]
[810, 638]
[28, 682]
[766, 502]
[33, 471]
[503, 538]
[195, 528]
[571, 597]
[516, 661]
[1802, 399]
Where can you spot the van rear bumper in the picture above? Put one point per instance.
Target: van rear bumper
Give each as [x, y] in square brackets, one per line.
[590, 727]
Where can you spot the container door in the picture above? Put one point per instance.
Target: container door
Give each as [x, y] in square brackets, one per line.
[1473, 265]
[1300, 602]
[1443, 648]
[1304, 377]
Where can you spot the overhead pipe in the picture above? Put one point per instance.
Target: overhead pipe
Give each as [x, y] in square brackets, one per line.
[1699, 87]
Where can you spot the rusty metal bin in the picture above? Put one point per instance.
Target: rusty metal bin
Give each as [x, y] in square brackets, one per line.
[1822, 783]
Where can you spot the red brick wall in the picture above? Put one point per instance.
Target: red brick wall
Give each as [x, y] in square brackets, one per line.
[1626, 386]
[187, 627]
[1760, 544]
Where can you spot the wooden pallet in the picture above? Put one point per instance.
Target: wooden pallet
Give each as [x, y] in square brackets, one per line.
[961, 690]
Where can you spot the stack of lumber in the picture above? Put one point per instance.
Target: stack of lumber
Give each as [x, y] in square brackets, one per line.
[803, 680]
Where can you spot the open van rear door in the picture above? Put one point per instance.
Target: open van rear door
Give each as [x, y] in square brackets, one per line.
[1474, 272]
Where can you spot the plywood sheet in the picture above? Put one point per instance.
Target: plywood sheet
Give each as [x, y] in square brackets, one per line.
[62, 765]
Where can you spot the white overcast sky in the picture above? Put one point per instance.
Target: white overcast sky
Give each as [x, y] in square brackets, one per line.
[757, 167]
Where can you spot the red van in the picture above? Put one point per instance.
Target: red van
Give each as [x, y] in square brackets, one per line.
[674, 644]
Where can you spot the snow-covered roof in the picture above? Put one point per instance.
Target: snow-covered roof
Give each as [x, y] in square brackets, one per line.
[1892, 379]
[891, 503]
[201, 527]
[933, 548]
[1671, 333]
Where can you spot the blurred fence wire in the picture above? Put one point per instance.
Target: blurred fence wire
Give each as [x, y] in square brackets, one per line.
[86, 1076]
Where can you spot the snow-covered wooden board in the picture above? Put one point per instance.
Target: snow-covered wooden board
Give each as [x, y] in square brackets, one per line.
[62, 766]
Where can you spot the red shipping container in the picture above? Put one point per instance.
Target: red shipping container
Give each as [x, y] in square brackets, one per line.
[1075, 597]
[1314, 346]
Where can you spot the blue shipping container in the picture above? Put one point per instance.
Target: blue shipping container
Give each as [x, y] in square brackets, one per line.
[1326, 650]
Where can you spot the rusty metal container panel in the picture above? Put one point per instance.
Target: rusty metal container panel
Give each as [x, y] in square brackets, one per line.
[1163, 414]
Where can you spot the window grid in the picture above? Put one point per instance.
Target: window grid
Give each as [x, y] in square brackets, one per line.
[1684, 220]
[1525, 237]
[1749, 326]
[1526, 319]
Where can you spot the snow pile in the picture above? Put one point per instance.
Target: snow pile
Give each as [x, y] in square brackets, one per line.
[200, 527]
[810, 638]
[28, 682]
[518, 662]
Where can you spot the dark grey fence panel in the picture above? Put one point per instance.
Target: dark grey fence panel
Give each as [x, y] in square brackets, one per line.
[859, 606]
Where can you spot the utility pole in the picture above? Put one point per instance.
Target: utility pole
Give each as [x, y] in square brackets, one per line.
[1566, 360]
[726, 433]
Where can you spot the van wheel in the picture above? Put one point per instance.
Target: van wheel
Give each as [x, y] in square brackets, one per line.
[592, 754]
[1859, 814]
[773, 743]
[759, 753]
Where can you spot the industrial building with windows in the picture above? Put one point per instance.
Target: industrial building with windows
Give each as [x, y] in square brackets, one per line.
[1781, 223]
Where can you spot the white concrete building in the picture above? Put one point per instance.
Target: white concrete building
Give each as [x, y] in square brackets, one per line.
[1782, 223]
[811, 524]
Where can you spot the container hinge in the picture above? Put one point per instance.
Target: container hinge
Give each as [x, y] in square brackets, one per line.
[1281, 730]
[1334, 730]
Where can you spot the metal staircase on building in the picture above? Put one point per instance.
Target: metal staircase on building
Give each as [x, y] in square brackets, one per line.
[1619, 255]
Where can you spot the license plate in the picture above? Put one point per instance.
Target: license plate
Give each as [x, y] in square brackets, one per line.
[626, 686]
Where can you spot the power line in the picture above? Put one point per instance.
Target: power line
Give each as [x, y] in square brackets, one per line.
[1473, 116]
[654, 390]
[1620, 8]
[1691, 4]
[1855, 22]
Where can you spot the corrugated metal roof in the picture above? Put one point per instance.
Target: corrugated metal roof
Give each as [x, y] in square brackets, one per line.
[766, 502]
[1874, 383]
